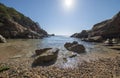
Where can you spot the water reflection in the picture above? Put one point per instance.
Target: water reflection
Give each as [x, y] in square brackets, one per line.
[59, 41]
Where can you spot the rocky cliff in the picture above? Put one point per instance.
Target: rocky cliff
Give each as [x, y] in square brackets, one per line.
[107, 29]
[14, 24]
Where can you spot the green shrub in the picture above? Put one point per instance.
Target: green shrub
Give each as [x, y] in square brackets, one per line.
[4, 68]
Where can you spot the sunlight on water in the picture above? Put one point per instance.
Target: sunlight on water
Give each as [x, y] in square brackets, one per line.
[58, 42]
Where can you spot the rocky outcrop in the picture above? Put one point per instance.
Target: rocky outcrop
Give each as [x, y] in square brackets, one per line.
[93, 39]
[47, 56]
[2, 39]
[75, 47]
[13, 24]
[107, 29]
[83, 34]
[51, 34]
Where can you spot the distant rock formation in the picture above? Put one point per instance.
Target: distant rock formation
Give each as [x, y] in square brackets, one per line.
[106, 29]
[14, 24]
[83, 34]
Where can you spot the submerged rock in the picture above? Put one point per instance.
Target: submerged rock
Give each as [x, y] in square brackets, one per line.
[40, 51]
[46, 58]
[75, 47]
[2, 39]
[71, 55]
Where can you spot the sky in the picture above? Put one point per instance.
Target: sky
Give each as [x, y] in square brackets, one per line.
[65, 17]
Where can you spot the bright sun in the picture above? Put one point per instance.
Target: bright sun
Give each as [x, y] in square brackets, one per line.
[69, 3]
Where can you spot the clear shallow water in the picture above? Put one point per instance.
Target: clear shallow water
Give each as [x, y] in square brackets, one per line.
[93, 51]
[27, 47]
[59, 41]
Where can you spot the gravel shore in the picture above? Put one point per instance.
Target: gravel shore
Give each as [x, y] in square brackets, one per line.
[102, 68]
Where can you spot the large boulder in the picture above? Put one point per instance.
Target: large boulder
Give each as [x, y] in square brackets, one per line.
[46, 58]
[75, 47]
[2, 39]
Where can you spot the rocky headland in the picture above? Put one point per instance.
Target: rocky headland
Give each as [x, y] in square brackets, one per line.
[106, 29]
[14, 24]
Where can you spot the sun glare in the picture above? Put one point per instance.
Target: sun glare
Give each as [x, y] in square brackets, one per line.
[69, 3]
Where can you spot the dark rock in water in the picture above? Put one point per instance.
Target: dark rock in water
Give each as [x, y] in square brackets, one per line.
[13, 24]
[2, 39]
[65, 60]
[52, 35]
[75, 47]
[40, 51]
[75, 42]
[47, 58]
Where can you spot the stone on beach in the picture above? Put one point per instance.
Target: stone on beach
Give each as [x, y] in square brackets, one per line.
[110, 42]
[114, 41]
[2, 39]
[93, 39]
[75, 47]
[47, 57]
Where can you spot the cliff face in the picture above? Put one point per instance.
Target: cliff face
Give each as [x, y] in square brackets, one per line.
[13, 24]
[106, 29]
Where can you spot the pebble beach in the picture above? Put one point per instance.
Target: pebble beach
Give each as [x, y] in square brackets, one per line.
[105, 64]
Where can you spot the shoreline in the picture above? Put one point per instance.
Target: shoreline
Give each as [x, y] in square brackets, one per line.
[104, 63]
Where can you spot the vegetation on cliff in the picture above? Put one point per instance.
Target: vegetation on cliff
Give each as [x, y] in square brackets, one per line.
[14, 24]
